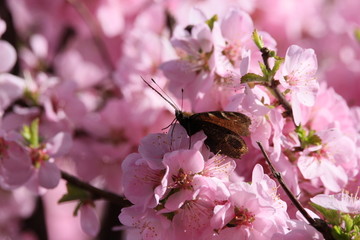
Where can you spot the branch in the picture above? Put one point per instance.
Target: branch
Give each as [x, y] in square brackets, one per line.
[318, 224]
[96, 192]
[265, 54]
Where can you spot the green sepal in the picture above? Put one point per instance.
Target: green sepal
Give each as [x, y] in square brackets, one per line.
[252, 77]
[357, 34]
[307, 138]
[210, 22]
[74, 193]
[257, 39]
[32, 97]
[349, 222]
[31, 133]
[339, 234]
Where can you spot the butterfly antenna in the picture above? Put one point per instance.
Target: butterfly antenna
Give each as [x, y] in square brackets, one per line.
[160, 94]
[164, 93]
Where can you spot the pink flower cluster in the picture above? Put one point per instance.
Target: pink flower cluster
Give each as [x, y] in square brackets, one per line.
[72, 100]
[180, 192]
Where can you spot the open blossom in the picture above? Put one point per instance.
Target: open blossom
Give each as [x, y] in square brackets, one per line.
[327, 162]
[31, 166]
[253, 210]
[344, 202]
[299, 77]
[196, 196]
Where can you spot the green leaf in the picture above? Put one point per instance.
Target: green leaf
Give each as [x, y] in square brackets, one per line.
[210, 22]
[252, 77]
[331, 216]
[75, 193]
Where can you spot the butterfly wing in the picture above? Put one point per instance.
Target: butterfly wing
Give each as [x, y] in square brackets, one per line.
[236, 122]
[223, 130]
[224, 141]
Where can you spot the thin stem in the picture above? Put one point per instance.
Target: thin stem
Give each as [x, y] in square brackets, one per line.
[319, 224]
[273, 83]
[96, 192]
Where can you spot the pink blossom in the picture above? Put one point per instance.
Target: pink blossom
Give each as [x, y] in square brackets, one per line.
[252, 210]
[330, 111]
[47, 173]
[32, 166]
[298, 76]
[150, 170]
[328, 160]
[192, 71]
[343, 202]
[231, 41]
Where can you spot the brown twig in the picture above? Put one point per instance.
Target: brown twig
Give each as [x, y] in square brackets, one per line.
[265, 54]
[96, 192]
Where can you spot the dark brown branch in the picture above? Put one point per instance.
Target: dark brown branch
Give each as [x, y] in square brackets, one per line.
[96, 192]
[318, 224]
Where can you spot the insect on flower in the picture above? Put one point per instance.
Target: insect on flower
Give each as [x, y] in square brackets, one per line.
[223, 129]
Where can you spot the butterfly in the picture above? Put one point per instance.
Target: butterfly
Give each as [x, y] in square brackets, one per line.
[223, 129]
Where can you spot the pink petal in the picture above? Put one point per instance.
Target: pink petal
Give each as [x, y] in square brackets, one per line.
[296, 110]
[89, 220]
[334, 177]
[59, 145]
[49, 175]
[7, 56]
[2, 27]
[11, 87]
[310, 167]
[39, 45]
[236, 25]
[16, 168]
